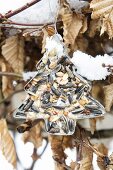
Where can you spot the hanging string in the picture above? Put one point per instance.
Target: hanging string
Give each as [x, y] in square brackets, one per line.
[56, 16]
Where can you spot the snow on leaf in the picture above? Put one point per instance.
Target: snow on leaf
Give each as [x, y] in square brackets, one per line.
[90, 67]
[108, 92]
[13, 51]
[53, 44]
[6, 143]
[47, 31]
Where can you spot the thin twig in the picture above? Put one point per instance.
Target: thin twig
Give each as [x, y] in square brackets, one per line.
[17, 25]
[12, 13]
[26, 24]
[10, 74]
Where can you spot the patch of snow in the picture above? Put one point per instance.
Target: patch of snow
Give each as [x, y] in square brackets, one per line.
[42, 12]
[55, 42]
[24, 151]
[90, 67]
[77, 5]
[4, 164]
[71, 155]
[29, 75]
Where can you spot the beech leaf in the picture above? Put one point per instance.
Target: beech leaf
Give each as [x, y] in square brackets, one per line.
[13, 52]
[108, 91]
[6, 143]
[7, 87]
[87, 157]
[73, 24]
[103, 10]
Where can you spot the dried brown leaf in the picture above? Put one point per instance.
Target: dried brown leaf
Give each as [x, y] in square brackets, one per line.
[100, 161]
[75, 166]
[103, 10]
[45, 35]
[13, 51]
[84, 25]
[6, 143]
[73, 24]
[7, 87]
[108, 91]
[100, 8]
[92, 123]
[50, 30]
[87, 157]
[95, 26]
[34, 136]
[58, 151]
[108, 24]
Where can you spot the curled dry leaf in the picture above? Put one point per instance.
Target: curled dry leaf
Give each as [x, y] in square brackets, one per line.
[108, 24]
[73, 24]
[103, 10]
[34, 135]
[100, 160]
[108, 91]
[58, 151]
[6, 143]
[7, 87]
[92, 123]
[13, 51]
[100, 8]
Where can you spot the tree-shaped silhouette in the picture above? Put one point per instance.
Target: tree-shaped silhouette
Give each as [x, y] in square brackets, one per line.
[57, 93]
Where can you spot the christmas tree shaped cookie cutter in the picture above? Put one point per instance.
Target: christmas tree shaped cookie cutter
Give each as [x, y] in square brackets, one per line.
[57, 94]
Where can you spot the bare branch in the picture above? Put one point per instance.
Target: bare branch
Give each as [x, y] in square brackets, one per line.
[16, 25]
[12, 13]
[10, 74]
